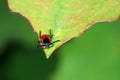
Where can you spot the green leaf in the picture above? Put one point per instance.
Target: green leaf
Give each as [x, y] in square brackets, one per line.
[66, 18]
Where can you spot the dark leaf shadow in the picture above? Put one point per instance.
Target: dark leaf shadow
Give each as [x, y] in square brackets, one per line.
[31, 63]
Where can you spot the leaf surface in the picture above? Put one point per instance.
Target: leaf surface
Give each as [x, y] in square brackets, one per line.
[66, 18]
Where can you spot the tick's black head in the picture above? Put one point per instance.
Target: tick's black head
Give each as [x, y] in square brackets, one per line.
[46, 40]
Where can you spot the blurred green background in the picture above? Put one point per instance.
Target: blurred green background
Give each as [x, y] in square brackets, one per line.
[93, 56]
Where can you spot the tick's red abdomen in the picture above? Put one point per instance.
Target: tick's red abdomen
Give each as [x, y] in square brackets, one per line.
[45, 36]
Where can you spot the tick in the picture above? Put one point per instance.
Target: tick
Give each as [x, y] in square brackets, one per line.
[46, 40]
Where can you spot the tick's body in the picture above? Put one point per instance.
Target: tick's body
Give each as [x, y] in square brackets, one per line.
[45, 40]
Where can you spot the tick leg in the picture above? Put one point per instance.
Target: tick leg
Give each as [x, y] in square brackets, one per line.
[50, 32]
[39, 41]
[51, 35]
[40, 36]
[40, 33]
[51, 45]
[55, 41]
[42, 46]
